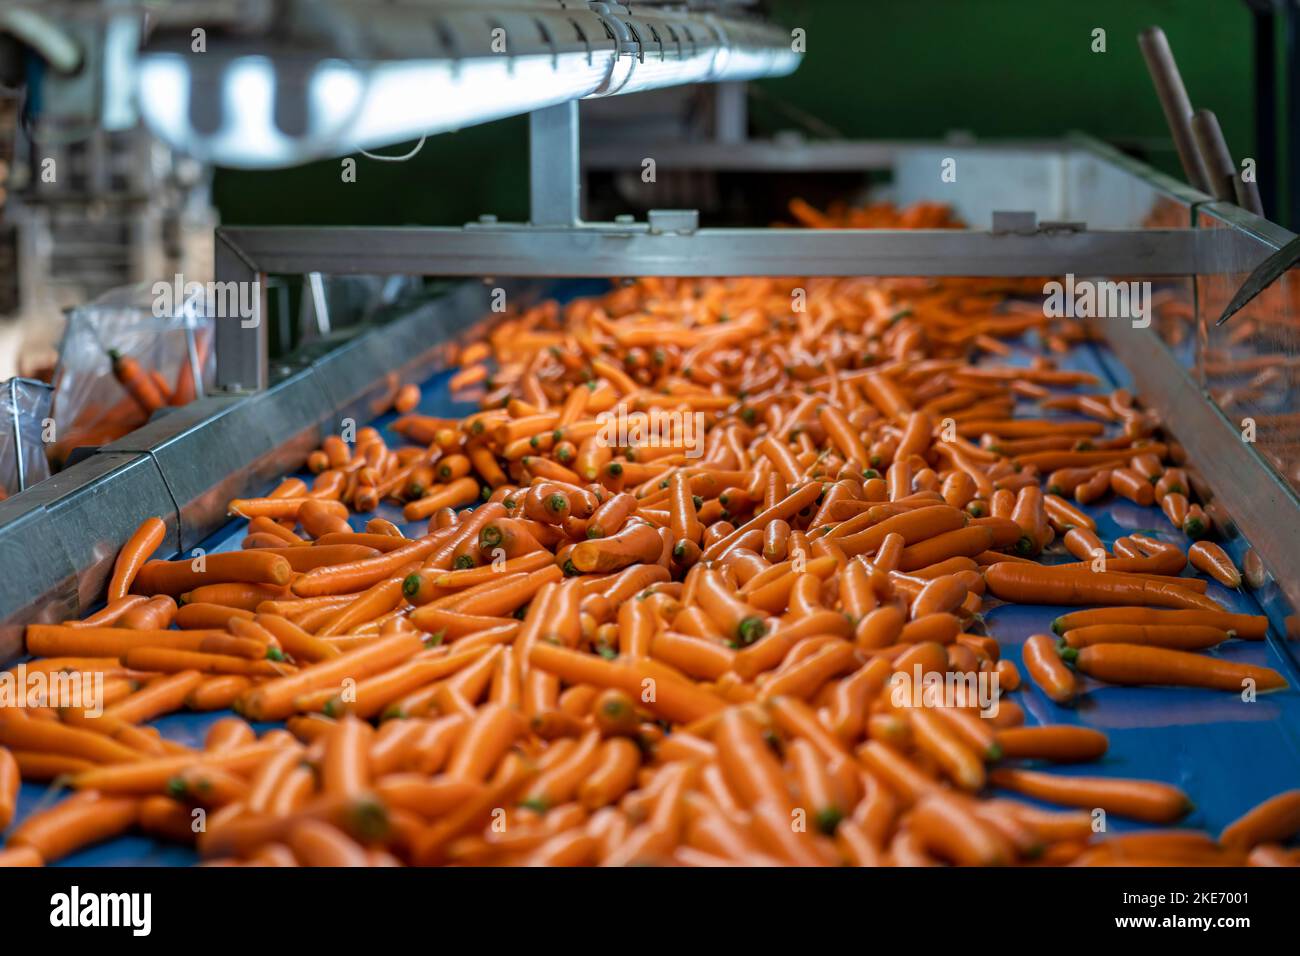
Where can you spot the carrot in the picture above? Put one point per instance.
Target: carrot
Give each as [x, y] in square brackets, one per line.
[483, 743]
[170, 660]
[20, 856]
[1173, 636]
[454, 494]
[57, 640]
[674, 699]
[161, 696]
[358, 575]
[1248, 626]
[274, 699]
[76, 822]
[137, 382]
[1048, 671]
[113, 612]
[1139, 665]
[26, 733]
[206, 617]
[217, 692]
[1065, 515]
[152, 774]
[245, 597]
[300, 645]
[1039, 584]
[635, 543]
[242, 567]
[903, 778]
[139, 547]
[316, 843]
[408, 396]
[964, 542]
[1276, 820]
[9, 780]
[345, 770]
[748, 763]
[1208, 557]
[1143, 800]
[947, 828]
[935, 737]
[156, 613]
[1058, 744]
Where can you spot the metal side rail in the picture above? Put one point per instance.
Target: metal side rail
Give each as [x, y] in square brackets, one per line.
[58, 540]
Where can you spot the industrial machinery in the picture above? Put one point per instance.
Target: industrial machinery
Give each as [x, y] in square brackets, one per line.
[276, 84]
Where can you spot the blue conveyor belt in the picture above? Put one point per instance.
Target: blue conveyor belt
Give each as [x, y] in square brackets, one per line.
[1227, 754]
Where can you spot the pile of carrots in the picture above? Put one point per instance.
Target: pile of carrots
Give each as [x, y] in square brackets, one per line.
[681, 652]
[146, 390]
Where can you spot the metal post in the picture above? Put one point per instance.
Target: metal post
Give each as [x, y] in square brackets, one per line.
[241, 341]
[554, 180]
[731, 123]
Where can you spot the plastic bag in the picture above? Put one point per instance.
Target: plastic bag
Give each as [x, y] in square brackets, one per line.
[24, 419]
[164, 337]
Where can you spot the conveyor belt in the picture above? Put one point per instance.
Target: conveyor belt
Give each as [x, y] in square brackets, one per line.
[1227, 754]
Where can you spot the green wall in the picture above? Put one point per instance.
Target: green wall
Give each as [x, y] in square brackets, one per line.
[874, 69]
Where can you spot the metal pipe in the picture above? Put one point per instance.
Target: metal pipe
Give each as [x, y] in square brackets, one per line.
[1214, 155]
[1173, 100]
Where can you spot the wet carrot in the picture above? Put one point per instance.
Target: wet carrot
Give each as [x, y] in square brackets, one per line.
[1058, 744]
[1208, 557]
[1141, 665]
[946, 827]
[1248, 626]
[1173, 636]
[1275, 820]
[10, 778]
[76, 822]
[1045, 666]
[137, 382]
[274, 699]
[1137, 799]
[242, 567]
[1039, 584]
[139, 547]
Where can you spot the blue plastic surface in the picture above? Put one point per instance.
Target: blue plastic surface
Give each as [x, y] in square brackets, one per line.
[1227, 754]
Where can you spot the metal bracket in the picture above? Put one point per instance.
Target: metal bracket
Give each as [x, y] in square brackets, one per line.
[241, 345]
[1027, 224]
[554, 169]
[683, 222]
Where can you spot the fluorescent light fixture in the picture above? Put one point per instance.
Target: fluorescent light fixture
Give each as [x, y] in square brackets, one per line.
[379, 75]
[350, 108]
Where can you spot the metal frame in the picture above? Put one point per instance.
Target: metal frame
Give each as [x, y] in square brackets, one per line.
[557, 243]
